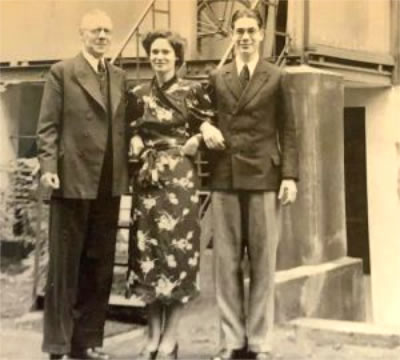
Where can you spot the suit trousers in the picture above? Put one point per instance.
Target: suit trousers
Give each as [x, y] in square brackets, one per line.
[82, 238]
[245, 221]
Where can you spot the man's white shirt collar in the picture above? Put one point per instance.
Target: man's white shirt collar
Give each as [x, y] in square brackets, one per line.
[93, 62]
[251, 64]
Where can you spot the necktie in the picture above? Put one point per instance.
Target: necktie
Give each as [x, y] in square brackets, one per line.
[244, 76]
[102, 75]
[101, 69]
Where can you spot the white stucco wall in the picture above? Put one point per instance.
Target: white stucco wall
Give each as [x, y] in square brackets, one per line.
[9, 104]
[368, 22]
[48, 29]
[383, 171]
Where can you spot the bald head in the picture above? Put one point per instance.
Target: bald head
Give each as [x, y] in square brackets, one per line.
[95, 30]
[92, 17]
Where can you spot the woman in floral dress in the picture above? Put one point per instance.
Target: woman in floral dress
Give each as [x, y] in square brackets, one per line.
[164, 116]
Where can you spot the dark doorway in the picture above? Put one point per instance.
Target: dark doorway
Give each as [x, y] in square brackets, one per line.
[31, 96]
[355, 167]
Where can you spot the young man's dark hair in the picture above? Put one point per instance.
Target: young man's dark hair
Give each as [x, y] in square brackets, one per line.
[249, 13]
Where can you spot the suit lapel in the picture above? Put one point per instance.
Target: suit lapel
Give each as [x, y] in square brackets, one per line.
[115, 87]
[258, 79]
[88, 80]
[232, 80]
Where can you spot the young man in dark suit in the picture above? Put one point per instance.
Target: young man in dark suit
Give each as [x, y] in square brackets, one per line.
[253, 171]
[82, 151]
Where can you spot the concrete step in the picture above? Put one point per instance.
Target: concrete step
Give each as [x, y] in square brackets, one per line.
[331, 290]
[323, 331]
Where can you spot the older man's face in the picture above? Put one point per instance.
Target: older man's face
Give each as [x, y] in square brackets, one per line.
[96, 35]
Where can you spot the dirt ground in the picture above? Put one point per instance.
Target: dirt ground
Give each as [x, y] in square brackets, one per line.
[198, 338]
[16, 290]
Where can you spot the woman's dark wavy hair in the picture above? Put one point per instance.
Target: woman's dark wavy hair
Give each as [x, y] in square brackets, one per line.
[176, 41]
[247, 13]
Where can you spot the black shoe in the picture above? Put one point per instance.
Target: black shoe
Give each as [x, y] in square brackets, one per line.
[56, 356]
[229, 354]
[260, 355]
[88, 354]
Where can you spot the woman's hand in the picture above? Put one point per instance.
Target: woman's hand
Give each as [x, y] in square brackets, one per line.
[136, 146]
[192, 145]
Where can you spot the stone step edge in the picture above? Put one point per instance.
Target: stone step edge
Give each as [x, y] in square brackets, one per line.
[347, 332]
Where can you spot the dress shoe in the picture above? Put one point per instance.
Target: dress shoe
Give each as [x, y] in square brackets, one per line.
[173, 355]
[57, 356]
[88, 354]
[229, 354]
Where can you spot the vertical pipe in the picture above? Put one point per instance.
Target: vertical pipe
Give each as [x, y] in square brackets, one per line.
[306, 32]
[395, 39]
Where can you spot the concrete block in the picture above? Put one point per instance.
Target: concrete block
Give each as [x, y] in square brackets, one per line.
[333, 290]
[323, 331]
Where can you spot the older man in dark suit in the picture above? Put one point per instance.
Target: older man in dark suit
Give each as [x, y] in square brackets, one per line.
[82, 151]
[253, 170]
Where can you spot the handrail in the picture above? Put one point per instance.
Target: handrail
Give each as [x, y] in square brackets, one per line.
[133, 30]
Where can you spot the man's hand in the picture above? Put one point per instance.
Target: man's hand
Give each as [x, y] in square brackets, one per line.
[136, 146]
[212, 136]
[50, 181]
[287, 192]
[191, 145]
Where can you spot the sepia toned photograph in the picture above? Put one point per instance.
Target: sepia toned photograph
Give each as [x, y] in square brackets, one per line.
[200, 179]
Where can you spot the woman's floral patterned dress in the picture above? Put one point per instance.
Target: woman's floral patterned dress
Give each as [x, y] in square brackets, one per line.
[165, 233]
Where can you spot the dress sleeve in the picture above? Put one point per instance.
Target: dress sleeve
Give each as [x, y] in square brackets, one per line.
[200, 106]
[134, 111]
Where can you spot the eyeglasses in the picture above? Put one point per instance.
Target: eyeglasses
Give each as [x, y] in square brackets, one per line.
[98, 31]
[241, 31]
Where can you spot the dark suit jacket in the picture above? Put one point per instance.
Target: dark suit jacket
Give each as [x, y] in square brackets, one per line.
[73, 127]
[259, 129]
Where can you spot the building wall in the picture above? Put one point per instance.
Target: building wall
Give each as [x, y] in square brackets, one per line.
[368, 21]
[9, 105]
[48, 29]
[383, 181]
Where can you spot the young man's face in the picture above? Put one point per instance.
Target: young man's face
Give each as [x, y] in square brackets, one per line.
[247, 36]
